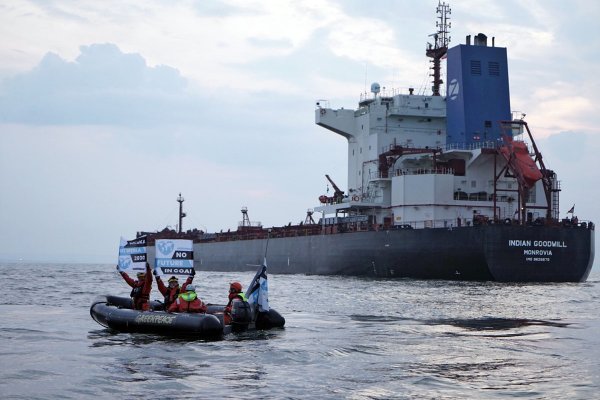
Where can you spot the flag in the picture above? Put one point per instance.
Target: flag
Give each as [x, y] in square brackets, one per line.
[572, 210]
[258, 290]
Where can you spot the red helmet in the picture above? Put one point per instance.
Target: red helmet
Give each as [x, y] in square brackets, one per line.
[235, 287]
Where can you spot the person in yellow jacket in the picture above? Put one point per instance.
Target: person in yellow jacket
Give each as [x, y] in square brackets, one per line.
[235, 294]
[188, 301]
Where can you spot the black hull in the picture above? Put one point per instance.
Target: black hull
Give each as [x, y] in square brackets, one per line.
[110, 315]
[115, 313]
[505, 253]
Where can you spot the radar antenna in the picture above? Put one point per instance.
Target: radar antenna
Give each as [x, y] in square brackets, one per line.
[438, 49]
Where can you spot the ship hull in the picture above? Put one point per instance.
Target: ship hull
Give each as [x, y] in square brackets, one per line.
[506, 253]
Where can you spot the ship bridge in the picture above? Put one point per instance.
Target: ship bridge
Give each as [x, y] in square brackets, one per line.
[382, 113]
[339, 121]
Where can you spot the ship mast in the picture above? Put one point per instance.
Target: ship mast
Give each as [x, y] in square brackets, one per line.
[180, 200]
[438, 49]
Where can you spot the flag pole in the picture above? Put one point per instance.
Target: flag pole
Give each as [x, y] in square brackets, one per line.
[256, 278]
[267, 245]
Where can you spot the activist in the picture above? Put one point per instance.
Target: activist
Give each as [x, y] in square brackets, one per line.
[140, 292]
[172, 291]
[188, 301]
[235, 295]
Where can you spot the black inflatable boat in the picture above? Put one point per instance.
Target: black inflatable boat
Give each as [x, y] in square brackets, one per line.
[117, 313]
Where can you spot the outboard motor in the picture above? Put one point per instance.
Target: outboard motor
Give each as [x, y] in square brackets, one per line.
[241, 315]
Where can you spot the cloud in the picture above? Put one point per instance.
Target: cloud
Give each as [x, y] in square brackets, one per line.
[73, 190]
[216, 99]
[102, 86]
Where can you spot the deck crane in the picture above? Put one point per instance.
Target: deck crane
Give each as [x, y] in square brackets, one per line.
[338, 195]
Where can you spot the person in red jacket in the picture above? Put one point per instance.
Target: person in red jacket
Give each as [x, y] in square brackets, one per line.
[188, 302]
[235, 294]
[140, 292]
[172, 291]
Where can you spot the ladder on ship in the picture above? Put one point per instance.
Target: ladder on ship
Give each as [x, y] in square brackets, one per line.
[555, 198]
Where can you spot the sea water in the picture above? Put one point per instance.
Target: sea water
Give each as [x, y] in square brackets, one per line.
[345, 338]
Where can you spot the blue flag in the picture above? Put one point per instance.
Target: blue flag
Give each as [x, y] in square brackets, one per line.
[258, 290]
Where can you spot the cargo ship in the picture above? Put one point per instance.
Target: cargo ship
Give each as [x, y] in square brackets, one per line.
[439, 187]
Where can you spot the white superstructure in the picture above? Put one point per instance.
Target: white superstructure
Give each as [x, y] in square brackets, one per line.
[402, 172]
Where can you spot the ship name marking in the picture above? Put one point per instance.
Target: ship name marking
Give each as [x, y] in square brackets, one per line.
[528, 252]
[536, 243]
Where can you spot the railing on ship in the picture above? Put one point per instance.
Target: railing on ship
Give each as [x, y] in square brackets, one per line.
[423, 171]
[385, 92]
[262, 233]
[466, 222]
[490, 144]
[317, 229]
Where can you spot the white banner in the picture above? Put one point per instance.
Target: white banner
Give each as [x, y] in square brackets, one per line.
[132, 256]
[174, 257]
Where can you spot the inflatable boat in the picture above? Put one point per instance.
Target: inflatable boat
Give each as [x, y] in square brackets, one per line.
[117, 313]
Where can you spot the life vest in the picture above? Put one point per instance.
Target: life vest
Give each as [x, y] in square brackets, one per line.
[242, 296]
[192, 303]
[140, 300]
[239, 311]
[140, 290]
[137, 292]
[188, 296]
[170, 297]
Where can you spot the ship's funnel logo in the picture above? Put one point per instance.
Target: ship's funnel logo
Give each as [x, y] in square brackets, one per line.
[166, 247]
[453, 89]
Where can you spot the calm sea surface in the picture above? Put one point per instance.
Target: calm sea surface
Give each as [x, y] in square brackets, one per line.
[345, 338]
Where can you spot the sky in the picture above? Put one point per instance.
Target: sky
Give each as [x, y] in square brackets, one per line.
[109, 110]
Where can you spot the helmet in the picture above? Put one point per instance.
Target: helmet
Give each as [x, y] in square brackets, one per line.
[173, 279]
[190, 288]
[141, 274]
[235, 286]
